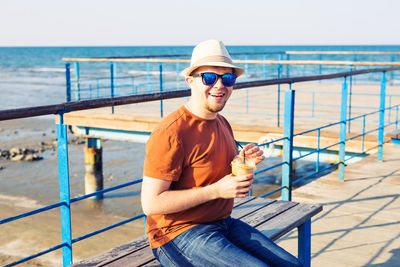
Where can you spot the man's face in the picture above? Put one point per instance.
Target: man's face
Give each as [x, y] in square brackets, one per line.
[211, 99]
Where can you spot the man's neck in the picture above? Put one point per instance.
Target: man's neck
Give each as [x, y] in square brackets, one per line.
[200, 112]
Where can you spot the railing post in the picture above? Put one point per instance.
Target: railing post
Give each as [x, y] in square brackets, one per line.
[350, 95]
[313, 104]
[65, 209]
[390, 109]
[246, 67]
[381, 116]
[68, 81]
[115, 93]
[279, 92]
[264, 68]
[392, 72]
[161, 89]
[318, 149]
[342, 133]
[148, 77]
[97, 87]
[287, 66]
[320, 66]
[112, 83]
[178, 80]
[288, 144]
[77, 82]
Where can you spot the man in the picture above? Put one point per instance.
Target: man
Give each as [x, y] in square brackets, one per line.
[188, 188]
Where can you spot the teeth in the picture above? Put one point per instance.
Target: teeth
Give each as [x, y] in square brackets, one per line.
[217, 94]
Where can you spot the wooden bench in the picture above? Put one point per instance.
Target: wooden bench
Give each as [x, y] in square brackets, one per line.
[274, 218]
[394, 136]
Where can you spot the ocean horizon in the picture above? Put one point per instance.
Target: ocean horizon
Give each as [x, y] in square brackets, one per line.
[33, 76]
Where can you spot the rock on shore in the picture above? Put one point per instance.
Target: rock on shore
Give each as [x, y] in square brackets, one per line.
[29, 154]
[20, 154]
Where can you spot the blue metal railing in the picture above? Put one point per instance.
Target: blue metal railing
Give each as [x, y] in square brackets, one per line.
[286, 164]
[79, 88]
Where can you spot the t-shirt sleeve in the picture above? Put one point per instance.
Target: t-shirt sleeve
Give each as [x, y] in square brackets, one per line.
[164, 156]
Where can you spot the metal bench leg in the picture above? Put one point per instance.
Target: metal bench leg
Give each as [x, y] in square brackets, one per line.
[304, 243]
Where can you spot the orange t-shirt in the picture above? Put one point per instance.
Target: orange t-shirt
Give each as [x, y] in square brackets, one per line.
[191, 152]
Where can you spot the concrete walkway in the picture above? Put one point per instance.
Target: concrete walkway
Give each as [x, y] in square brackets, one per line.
[360, 221]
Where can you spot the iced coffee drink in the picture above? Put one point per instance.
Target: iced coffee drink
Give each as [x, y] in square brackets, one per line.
[243, 166]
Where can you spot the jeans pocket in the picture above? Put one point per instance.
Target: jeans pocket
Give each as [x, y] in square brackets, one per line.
[162, 257]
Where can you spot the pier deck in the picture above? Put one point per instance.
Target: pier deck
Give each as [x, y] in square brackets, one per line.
[360, 222]
[246, 127]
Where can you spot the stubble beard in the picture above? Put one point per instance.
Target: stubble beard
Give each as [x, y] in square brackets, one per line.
[215, 108]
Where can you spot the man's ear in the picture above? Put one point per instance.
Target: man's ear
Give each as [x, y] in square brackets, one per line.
[189, 80]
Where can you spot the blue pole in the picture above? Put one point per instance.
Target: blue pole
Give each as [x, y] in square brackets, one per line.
[68, 81]
[148, 77]
[161, 89]
[313, 104]
[397, 116]
[288, 144]
[320, 65]
[77, 82]
[246, 67]
[279, 92]
[350, 95]
[65, 209]
[133, 85]
[264, 69]
[381, 116]
[115, 79]
[390, 110]
[363, 135]
[392, 72]
[97, 87]
[112, 83]
[318, 149]
[287, 65]
[342, 133]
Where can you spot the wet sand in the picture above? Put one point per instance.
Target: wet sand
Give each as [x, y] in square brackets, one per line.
[25, 186]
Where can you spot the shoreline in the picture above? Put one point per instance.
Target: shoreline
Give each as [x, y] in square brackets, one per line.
[28, 185]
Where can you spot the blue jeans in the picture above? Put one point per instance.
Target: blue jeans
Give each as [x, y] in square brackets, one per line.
[229, 242]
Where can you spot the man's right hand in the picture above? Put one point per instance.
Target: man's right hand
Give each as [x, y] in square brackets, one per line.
[234, 186]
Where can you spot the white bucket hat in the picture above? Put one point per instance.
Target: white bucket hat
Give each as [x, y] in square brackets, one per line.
[211, 53]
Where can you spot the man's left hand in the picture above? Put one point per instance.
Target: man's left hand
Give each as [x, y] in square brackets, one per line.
[253, 151]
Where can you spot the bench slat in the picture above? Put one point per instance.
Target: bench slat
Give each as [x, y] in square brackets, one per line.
[153, 263]
[140, 258]
[250, 207]
[266, 213]
[138, 246]
[289, 219]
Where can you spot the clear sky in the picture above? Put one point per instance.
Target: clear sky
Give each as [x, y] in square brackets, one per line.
[173, 22]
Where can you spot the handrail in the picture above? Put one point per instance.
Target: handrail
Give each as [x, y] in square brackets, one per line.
[248, 53]
[123, 100]
[343, 52]
[241, 61]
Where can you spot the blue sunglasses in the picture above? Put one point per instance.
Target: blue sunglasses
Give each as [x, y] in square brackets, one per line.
[210, 78]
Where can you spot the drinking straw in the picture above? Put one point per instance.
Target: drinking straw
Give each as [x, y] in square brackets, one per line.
[244, 153]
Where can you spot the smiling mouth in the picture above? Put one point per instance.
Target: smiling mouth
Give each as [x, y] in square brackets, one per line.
[217, 95]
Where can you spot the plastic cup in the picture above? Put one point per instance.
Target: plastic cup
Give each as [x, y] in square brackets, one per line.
[241, 166]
